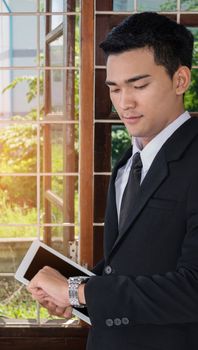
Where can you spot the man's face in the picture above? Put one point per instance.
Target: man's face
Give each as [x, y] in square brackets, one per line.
[143, 93]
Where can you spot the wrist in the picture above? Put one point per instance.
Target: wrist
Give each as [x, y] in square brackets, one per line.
[76, 290]
[81, 294]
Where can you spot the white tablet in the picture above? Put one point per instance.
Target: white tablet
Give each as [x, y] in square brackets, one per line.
[40, 255]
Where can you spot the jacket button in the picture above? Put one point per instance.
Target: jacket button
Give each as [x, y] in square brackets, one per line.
[125, 321]
[108, 270]
[117, 321]
[109, 322]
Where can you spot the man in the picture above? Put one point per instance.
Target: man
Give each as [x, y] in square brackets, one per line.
[145, 294]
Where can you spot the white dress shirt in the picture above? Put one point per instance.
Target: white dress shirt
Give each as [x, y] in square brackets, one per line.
[147, 154]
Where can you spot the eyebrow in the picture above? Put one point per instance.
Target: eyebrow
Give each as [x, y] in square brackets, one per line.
[130, 80]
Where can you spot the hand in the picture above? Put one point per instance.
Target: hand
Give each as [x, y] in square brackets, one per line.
[55, 310]
[49, 286]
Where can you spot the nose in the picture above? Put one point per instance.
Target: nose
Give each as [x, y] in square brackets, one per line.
[127, 100]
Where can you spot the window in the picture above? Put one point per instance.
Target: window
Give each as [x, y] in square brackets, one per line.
[39, 133]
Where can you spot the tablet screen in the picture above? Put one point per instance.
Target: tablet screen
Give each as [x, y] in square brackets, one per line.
[43, 258]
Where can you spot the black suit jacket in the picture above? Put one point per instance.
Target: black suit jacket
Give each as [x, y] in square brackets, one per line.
[146, 294]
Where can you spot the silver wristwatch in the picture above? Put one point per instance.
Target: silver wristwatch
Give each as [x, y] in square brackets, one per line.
[73, 285]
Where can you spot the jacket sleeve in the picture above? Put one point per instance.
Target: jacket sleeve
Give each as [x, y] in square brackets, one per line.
[157, 299]
[98, 268]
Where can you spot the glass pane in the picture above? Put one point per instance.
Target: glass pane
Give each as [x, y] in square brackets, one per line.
[40, 107]
[56, 20]
[42, 41]
[72, 94]
[18, 148]
[157, 5]
[189, 5]
[123, 5]
[42, 7]
[56, 52]
[120, 141]
[61, 54]
[62, 193]
[61, 147]
[191, 96]
[15, 301]
[57, 238]
[61, 6]
[72, 5]
[18, 94]
[18, 204]
[57, 6]
[69, 57]
[77, 94]
[57, 96]
[72, 26]
[17, 231]
[58, 243]
[195, 53]
[57, 147]
[78, 4]
[18, 6]
[12, 250]
[62, 94]
[18, 46]
[6, 50]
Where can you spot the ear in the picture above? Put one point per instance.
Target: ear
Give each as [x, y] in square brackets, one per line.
[182, 78]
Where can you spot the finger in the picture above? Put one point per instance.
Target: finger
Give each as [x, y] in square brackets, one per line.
[44, 304]
[56, 301]
[59, 311]
[68, 312]
[55, 310]
[39, 293]
[51, 307]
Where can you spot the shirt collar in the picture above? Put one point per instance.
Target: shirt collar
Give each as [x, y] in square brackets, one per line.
[149, 152]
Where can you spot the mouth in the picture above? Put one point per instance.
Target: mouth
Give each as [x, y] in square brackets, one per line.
[132, 117]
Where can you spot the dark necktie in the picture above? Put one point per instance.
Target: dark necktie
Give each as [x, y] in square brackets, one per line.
[131, 189]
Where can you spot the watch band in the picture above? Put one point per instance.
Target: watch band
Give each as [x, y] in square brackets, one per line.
[73, 285]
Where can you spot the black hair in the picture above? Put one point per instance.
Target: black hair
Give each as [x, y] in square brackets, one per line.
[172, 43]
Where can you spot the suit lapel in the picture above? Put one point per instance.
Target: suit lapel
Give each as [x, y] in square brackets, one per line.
[170, 151]
[155, 176]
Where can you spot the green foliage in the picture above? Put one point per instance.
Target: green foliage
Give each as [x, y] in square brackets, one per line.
[120, 142]
[18, 147]
[168, 6]
[191, 96]
[18, 144]
[32, 86]
[189, 5]
[16, 302]
[186, 5]
[14, 214]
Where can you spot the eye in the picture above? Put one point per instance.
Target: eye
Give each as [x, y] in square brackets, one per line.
[114, 91]
[141, 87]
